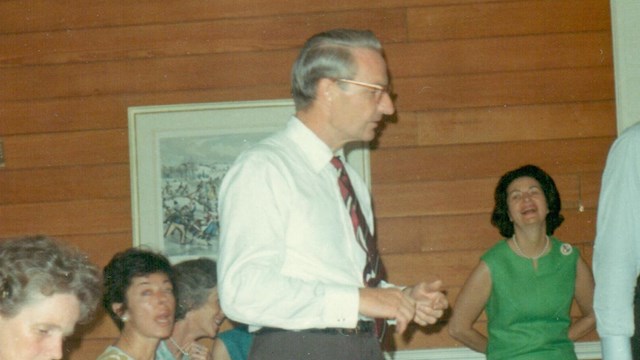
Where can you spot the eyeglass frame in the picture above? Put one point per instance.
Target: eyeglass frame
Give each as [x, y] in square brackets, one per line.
[382, 89]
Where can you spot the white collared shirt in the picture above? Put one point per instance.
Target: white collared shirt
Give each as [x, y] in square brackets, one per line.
[616, 257]
[288, 254]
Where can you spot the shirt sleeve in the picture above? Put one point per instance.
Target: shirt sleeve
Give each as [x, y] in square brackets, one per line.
[616, 259]
[616, 348]
[254, 205]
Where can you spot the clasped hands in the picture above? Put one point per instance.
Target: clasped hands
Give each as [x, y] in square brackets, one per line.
[423, 303]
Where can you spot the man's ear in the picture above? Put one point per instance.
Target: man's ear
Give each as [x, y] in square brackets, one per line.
[325, 90]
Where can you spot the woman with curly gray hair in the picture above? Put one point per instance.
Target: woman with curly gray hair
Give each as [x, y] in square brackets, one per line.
[198, 313]
[45, 289]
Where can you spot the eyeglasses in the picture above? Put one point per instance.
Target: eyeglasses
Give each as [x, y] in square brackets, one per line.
[377, 90]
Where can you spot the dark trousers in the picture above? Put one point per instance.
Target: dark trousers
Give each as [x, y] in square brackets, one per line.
[291, 345]
[635, 340]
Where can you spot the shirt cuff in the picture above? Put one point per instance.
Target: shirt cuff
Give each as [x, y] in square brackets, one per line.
[616, 348]
[341, 306]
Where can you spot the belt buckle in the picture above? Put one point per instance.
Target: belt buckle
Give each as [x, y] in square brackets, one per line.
[362, 327]
[348, 332]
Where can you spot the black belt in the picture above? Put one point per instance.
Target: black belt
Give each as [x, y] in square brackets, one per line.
[363, 327]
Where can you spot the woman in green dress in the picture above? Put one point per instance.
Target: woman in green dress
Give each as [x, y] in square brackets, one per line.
[527, 282]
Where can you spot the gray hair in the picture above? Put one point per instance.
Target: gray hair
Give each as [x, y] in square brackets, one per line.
[195, 280]
[327, 55]
[32, 267]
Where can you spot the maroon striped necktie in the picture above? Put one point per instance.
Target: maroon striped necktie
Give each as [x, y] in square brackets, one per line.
[373, 271]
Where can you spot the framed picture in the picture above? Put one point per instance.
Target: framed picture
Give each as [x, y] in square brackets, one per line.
[179, 155]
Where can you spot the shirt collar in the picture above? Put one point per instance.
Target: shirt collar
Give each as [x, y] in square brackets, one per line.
[312, 147]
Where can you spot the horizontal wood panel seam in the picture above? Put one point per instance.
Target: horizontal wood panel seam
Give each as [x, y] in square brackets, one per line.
[129, 14]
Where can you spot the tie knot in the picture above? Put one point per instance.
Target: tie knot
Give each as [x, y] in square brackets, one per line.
[337, 163]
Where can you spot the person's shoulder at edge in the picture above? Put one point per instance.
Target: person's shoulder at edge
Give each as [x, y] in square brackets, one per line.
[113, 353]
[633, 129]
[630, 136]
[234, 343]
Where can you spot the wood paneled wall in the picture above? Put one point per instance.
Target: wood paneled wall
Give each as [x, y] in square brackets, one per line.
[483, 86]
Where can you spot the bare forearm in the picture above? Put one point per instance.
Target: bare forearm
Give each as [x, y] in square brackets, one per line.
[471, 338]
[582, 327]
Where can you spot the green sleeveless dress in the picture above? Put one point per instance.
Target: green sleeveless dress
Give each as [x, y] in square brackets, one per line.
[528, 309]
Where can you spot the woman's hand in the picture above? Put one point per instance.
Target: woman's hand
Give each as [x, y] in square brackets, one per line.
[199, 352]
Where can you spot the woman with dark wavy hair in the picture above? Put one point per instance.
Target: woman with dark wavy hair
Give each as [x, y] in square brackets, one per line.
[140, 297]
[45, 289]
[527, 282]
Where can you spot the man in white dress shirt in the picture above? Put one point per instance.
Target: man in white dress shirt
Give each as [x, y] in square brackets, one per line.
[616, 256]
[290, 265]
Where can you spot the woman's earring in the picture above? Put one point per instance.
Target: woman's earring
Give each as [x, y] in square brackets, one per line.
[124, 318]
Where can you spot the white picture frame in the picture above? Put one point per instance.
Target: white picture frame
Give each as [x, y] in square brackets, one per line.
[178, 156]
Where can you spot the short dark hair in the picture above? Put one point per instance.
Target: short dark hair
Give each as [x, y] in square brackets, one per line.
[34, 266]
[195, 280]
[500, 216]
[123, 267]
[327, 55]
